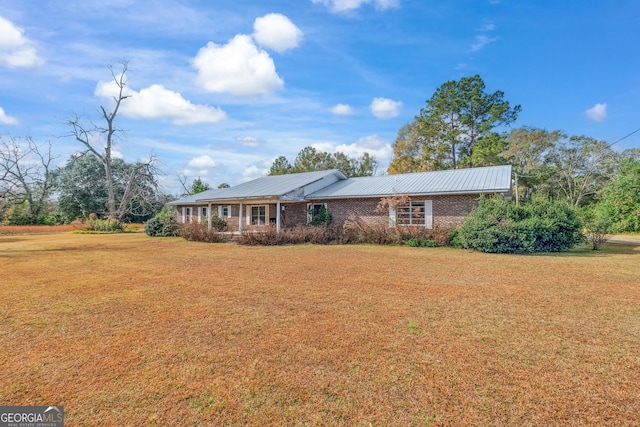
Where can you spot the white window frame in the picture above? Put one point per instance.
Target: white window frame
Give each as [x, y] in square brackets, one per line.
[406, 211]
[250, 214]
[221, 209]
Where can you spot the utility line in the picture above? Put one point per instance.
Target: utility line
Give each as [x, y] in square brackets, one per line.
[624, 137]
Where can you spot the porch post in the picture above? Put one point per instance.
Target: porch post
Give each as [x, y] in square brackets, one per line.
[240, 218]
[278, 216]
[209, 215]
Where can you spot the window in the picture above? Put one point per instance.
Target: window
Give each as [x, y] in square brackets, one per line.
[187, 211]
[204, 212]
[414, 213]
[224, 211]
[313, 209]
[258, 215]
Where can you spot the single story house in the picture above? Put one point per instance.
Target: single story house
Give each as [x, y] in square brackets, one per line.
[430, 199]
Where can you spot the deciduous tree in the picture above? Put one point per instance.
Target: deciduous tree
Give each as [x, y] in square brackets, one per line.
[26, 176]
[99, 141]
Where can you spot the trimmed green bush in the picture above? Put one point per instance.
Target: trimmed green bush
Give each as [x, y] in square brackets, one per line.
[499, 226]
[164, 224]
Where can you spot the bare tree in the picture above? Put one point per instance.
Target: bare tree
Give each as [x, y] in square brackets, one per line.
[26, 174]
[99, 141]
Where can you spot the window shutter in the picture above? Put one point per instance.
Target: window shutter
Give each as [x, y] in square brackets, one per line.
[392, 218]
[249, 209]
[228, 211]
[428, 213]
[309, 217]
[220, 211]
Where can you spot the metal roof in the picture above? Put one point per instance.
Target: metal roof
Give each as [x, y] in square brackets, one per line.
[266, 187]
[493, 179]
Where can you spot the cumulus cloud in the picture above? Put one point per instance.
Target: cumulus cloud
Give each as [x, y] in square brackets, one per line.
[16, 51]
[337, 6]
[375, 145]
[342, 110]
[202, 162]
[597, 113]
[384, 108]
[277, 32]
[5, 119]
[238, 67]
[157, 102]
[253, 172]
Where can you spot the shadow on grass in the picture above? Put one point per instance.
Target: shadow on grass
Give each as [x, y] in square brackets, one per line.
[607, 249]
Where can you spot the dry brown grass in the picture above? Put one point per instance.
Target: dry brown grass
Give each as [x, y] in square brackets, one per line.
[130, 330]
[34, 229]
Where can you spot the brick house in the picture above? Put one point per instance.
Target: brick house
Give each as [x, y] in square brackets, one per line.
[429, 199]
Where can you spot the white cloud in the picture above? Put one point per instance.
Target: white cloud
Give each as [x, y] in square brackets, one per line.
[238, 68]
[342, 110]
[157, 102]
[482, 41]
[16, 51]
[376, 146]
[338, 6]
[276, 32]
[597, 113]
[248, 141]
[384, 108]
[253, 172]
[6, 119]
[202, 162]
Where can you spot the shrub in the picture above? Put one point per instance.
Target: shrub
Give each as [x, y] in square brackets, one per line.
[421, 243]
[100, 225]
[322, 217]
[164, 224]
[499, 226]
[319, 235]
[218, 224]
[201, 233]
[597, 224]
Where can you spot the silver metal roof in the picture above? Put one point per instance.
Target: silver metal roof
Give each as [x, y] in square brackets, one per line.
[493, 179]
[290, 186]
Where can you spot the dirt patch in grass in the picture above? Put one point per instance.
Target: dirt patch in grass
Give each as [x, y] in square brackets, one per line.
[130, 330]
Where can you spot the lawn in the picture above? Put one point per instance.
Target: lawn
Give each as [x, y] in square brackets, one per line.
[131, 330]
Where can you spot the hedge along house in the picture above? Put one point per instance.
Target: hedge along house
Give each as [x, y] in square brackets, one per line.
[429, 199]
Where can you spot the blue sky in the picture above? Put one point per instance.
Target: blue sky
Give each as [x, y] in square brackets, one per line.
[219, 89]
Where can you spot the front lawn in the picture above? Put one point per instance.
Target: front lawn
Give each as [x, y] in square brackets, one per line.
[131, 330]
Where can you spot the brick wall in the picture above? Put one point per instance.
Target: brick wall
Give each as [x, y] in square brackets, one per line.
[447, 211]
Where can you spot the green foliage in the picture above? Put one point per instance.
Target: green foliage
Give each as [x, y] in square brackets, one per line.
[104, 225]
[198, 186]
[597, 224]
[17, 214]
[621, 199]
[421, 243]
[321, 216]
[500, 226]
[455, 129]
[218, 224]
[309, 160]
[164, 224]
[82, 189]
